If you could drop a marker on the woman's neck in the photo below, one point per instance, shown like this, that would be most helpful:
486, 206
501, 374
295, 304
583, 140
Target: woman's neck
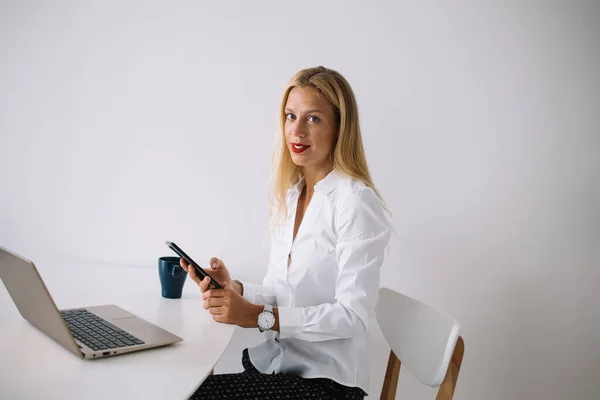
312, 175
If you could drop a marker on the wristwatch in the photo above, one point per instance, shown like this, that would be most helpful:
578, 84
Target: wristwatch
266, 319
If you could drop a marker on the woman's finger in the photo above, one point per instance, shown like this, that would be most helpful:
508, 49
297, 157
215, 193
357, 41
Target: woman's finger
216, 302
216, 310
192, 273
183, 264
204, 284
215, 263
212, 302
214, 293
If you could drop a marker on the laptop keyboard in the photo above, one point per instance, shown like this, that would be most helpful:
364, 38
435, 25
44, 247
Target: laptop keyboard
95, 332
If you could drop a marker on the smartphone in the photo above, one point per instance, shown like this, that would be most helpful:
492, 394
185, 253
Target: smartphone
213, 283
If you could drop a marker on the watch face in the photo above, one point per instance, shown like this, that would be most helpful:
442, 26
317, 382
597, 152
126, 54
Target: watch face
266, 320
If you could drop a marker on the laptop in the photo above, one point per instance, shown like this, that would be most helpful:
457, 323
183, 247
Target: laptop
88, 332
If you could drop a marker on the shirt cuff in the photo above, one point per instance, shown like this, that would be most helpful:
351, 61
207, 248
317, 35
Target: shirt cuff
290, 321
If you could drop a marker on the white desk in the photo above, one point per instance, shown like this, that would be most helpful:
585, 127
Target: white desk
33, 366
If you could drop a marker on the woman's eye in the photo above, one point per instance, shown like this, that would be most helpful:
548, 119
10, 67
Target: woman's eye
312, 118
290, 116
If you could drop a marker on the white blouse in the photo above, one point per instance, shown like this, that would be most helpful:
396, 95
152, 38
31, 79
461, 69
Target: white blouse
326, 295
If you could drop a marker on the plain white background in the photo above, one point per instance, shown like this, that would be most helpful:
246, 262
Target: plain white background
124, 124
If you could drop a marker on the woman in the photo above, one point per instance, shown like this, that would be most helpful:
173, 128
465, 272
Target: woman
329, 232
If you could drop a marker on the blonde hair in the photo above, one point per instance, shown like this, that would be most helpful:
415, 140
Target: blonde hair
348, 154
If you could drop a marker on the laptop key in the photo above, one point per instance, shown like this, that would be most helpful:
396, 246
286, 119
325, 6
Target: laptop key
94, 331
111, 326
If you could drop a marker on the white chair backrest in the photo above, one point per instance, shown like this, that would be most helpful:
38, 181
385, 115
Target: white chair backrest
422, 337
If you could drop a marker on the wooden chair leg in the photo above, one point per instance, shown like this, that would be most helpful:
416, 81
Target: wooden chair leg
446, 391
390, 382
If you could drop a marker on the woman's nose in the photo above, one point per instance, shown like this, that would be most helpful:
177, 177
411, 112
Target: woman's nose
298, 129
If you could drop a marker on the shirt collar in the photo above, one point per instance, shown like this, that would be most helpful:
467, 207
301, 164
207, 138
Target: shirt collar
325, 185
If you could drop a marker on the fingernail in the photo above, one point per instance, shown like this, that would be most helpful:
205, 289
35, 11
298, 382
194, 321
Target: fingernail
214, 265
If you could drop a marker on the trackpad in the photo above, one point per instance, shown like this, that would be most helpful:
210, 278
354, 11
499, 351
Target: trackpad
131, 324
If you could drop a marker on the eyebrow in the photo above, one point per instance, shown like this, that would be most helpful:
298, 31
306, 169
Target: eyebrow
315, 110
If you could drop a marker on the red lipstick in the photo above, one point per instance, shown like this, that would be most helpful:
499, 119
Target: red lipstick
298, 147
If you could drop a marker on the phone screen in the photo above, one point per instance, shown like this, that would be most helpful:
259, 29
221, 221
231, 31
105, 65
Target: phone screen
213, 283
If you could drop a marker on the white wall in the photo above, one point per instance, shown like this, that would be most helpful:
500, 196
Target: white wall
125, 124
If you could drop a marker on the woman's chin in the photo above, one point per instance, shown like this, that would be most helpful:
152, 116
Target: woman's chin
300, 161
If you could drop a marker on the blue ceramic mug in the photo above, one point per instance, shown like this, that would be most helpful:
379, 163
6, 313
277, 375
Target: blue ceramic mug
172, 277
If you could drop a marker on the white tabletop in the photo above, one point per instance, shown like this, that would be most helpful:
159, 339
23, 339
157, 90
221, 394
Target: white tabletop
33, 366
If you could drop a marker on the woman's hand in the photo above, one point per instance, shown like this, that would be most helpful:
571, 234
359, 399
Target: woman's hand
217, 270
228, 306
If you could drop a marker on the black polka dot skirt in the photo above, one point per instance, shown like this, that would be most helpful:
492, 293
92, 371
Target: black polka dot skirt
252, 384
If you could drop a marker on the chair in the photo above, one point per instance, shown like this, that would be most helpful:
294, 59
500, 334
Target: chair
421, 338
